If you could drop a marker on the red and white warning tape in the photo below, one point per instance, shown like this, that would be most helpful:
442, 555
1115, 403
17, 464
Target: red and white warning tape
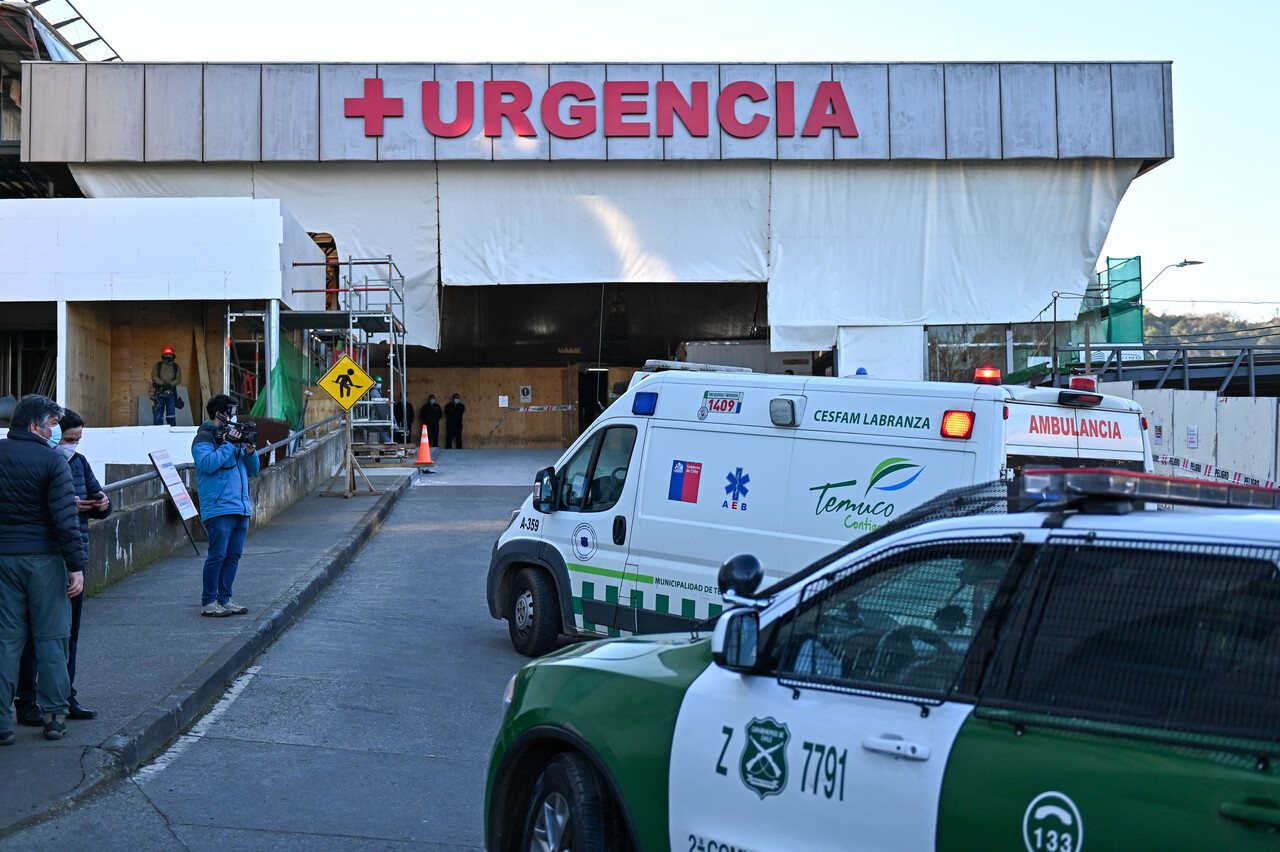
1209, 471
569, 407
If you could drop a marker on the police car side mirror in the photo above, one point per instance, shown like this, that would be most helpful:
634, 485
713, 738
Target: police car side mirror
544, 491
733, 646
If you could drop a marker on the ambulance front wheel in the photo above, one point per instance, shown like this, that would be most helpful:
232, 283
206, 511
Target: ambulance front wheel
533, 618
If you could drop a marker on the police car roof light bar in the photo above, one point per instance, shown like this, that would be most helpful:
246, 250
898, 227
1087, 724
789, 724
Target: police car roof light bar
1061, 485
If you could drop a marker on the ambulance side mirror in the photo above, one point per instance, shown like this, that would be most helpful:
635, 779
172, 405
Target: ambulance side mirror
733, 646
544, 491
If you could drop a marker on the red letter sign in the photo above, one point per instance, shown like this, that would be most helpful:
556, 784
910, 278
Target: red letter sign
496, 109
830, 94
786, 108
373, 107
693, 114
729, 119
431, 109
583, 117
615, 108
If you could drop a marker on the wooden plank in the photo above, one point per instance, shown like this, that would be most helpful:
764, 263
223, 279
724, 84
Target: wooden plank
202, 370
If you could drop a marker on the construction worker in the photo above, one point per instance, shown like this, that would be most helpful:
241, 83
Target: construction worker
166, 375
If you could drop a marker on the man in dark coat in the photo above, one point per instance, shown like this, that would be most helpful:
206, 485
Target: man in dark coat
41, 560
453, 412
92, 502
431, 414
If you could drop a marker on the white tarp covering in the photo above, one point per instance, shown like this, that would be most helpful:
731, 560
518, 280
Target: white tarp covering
548, 223
371, 209
915, 243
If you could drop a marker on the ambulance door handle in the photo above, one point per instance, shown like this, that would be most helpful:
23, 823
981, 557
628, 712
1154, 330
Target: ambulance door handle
619, 529
896, 746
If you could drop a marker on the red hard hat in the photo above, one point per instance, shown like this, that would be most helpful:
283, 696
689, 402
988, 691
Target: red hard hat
168, 350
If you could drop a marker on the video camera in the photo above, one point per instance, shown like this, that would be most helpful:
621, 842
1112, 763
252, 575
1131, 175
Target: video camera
245, 430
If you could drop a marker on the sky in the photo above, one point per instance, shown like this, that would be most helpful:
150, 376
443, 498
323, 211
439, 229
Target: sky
1213, 202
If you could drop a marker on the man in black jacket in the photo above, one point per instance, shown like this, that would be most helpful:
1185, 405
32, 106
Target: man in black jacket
41, 560
92, 502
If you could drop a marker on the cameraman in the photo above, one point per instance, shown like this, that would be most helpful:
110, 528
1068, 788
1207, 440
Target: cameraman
225, 458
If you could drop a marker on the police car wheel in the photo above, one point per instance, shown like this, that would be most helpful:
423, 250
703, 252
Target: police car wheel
568, 811
531, 613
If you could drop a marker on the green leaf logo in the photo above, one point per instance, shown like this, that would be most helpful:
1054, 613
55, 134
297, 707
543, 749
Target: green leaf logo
888, 467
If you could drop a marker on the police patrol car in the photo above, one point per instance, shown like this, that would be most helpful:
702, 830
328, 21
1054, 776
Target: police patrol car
1076, 675
628, 530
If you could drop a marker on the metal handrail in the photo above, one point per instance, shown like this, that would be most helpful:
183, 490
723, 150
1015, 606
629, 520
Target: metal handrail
155, 474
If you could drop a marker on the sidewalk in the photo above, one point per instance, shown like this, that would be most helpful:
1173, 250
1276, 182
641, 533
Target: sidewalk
150, 664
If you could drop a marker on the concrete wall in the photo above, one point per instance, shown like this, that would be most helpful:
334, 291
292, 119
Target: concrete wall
1234, 434
137, 535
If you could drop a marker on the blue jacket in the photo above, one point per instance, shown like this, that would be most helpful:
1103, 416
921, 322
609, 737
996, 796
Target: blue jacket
86, 485
222, 474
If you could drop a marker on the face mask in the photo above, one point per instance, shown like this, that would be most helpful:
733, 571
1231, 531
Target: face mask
56, 437
431, 399
66, 450
457, 399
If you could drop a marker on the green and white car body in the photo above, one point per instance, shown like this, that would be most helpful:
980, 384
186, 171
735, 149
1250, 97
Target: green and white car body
1118, 689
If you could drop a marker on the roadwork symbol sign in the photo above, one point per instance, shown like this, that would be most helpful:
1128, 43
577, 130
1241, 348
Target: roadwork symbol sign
346, 382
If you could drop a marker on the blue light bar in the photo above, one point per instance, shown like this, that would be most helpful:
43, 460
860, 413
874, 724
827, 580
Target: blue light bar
645, 403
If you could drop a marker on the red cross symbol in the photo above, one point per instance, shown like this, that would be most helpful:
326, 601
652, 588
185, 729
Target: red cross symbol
373, 107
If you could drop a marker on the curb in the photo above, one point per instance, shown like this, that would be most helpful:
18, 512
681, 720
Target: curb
153, 729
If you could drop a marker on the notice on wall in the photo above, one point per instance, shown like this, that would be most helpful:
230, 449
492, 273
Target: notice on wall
526, 394
504, 401
1193, 436
174, 485
1158, 431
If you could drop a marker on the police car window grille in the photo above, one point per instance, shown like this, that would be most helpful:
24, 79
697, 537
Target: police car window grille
898, 625
1174, 638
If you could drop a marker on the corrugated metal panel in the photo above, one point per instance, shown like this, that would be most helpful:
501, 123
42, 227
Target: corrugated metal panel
972, 111
113, 112
1168, 109
1084, 111
764, 146
411, 141
290, 112
917, 123
592, 146
343, 138
648, 147
28, 106
514, 147
801, 147
232, 113
1028, 111
1137, 93
867, 88
682, 145
472, 145
173, 130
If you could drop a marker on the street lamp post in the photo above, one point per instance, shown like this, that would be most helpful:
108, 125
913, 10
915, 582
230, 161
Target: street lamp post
1166, 269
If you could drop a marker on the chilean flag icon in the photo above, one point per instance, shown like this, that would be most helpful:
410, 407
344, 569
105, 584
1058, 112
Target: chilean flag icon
685, 476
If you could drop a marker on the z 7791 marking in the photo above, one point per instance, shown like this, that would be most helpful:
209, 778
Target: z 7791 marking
827, 767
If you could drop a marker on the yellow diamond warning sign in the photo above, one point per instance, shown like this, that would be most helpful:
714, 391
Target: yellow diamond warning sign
346, 382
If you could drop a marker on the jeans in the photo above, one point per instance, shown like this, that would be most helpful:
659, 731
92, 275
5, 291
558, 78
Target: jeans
163, 410
34, 587
226, 543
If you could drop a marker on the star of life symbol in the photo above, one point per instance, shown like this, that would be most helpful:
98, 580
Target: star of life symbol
737, 487
764, 758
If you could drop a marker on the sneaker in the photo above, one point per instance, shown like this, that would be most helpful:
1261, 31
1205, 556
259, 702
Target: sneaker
214, 609
234, 608
54, 727
6, 738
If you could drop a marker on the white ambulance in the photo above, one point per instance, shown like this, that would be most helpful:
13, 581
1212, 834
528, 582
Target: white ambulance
626, 533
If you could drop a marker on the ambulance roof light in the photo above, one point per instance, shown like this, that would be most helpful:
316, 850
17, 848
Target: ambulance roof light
986, 376
1084, 383
1062, 485
644, 403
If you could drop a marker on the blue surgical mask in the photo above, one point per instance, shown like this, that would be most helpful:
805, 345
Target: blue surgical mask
56, 437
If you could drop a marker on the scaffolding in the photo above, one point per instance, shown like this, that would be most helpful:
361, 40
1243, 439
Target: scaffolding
368, 316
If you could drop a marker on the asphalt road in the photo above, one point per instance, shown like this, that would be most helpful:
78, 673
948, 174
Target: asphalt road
367, 725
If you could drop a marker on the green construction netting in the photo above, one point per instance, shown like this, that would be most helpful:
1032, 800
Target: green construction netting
287, 380
1112, 307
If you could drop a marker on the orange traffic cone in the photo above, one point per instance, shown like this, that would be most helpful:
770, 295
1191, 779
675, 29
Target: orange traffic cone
424, 449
